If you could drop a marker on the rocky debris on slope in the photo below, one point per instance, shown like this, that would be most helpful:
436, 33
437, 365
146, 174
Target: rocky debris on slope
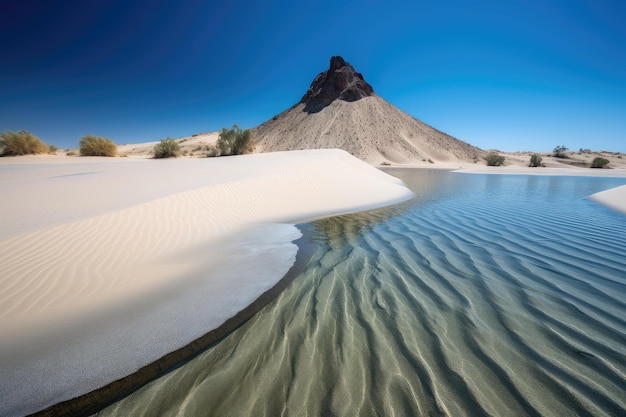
340, 81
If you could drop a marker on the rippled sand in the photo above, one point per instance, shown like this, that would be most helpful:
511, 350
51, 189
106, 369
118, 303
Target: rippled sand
487, 295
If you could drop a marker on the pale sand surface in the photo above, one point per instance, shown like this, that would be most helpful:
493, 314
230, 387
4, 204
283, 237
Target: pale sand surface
108, 264
614, 198
190, 146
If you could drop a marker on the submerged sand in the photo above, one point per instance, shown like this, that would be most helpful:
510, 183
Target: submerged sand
110, 264
484, 296
614, 199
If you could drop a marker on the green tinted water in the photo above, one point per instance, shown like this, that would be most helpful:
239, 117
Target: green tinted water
486, 295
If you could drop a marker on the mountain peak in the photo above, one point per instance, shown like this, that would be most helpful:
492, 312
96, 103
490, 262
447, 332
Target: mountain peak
340, 81
340, 110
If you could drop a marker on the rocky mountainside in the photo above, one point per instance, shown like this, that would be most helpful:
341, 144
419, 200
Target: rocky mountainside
341, 110
339, 82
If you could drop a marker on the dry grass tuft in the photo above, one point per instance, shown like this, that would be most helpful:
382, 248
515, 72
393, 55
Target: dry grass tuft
21, 143
96, 146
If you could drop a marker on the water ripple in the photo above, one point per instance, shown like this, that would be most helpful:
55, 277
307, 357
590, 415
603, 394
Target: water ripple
473, 300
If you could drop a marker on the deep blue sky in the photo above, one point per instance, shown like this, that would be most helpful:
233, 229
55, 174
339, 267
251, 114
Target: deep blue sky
511, 75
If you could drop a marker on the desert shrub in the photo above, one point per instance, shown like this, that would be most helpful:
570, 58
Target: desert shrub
212, 151
559, 152
535, 160
21, 143
167, 148
52, 149
96, 146
234, 141
599, 163
494, 160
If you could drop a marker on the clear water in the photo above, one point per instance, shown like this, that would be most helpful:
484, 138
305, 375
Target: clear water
487, 295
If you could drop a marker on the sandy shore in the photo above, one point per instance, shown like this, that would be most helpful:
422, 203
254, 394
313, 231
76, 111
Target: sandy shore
555, 171
109, 264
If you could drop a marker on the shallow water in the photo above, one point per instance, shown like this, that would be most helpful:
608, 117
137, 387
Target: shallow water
486, 295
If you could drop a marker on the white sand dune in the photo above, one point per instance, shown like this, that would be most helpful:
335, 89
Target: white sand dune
615, 198
107, 265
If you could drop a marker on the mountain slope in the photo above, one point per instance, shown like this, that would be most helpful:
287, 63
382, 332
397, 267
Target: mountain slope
341, 110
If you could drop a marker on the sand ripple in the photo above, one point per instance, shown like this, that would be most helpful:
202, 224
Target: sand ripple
459, 306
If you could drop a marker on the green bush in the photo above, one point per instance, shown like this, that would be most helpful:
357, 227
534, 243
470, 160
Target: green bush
494, 160
234, 141
559, 152
599, 163
21, 143
535, 160
96, 146
52, 149
167, 148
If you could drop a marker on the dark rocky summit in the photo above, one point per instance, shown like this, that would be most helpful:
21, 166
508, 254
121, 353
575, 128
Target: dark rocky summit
340, 81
